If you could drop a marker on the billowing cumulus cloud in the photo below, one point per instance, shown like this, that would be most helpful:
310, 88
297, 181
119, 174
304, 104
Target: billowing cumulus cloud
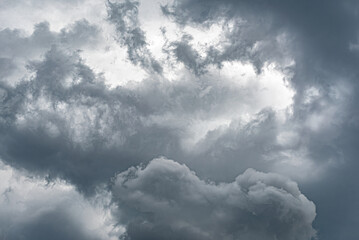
166, 200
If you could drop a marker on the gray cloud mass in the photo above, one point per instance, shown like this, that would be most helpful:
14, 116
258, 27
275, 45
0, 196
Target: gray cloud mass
227, 87
166, 200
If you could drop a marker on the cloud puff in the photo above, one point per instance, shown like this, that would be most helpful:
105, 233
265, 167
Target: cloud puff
166, 200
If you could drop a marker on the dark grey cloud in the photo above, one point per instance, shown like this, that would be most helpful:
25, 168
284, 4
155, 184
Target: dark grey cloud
66, 112
124, 15
320, 38
48, 137
316, 34
186, 54
166, 200
246, 35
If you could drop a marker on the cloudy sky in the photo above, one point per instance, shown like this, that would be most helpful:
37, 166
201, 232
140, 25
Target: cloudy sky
179, 119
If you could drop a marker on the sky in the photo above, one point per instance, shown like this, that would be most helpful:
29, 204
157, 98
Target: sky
179, 119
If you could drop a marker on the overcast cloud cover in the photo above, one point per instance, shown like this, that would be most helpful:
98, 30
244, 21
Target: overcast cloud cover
179, 119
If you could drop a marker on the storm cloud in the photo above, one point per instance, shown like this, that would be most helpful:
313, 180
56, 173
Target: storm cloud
242, 95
